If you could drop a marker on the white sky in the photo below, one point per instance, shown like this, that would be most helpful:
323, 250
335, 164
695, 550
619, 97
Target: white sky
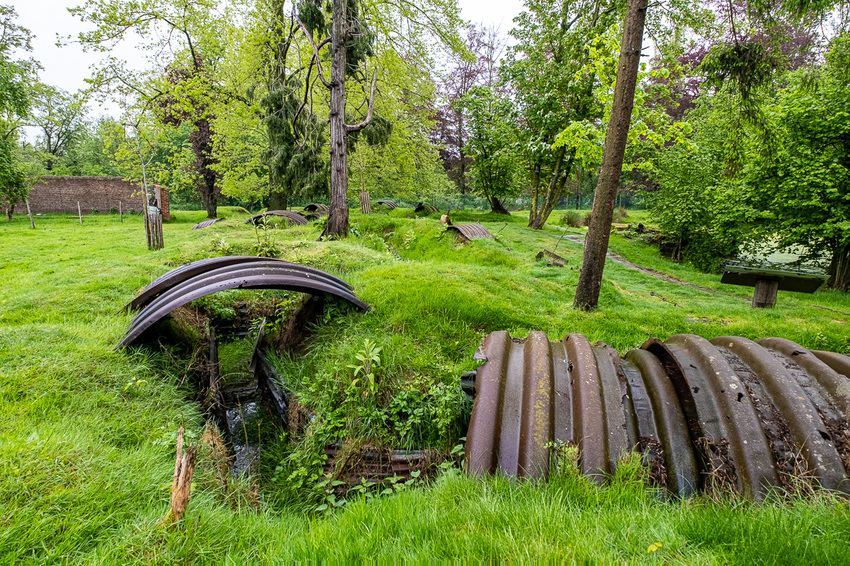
68, 67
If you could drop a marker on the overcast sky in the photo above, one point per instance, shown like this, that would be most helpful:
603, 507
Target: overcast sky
67, 67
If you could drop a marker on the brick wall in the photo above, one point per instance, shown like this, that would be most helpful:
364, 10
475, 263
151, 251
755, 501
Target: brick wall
61, 194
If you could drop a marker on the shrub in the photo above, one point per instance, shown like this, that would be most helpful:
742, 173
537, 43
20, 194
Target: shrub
620, 214
572, 219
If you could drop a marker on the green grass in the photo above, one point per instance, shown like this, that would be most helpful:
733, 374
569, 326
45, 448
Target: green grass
87, 434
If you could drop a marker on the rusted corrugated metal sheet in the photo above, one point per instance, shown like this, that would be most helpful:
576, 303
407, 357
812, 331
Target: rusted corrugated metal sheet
253, 274
317, 207
374, 466
293, 217
184, 272
471, 231
205, 224
722, 413
422, 207
388, 203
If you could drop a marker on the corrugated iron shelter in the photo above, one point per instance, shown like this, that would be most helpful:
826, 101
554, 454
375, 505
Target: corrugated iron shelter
199, 279
729, 412
470, 231
293, 217
388, 203
422, 207
317, 207
205, 224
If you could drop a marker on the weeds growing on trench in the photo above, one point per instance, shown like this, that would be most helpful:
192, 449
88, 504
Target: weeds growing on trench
85, 465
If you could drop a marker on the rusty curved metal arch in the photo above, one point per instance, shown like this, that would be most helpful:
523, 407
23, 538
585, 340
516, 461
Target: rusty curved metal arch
388, 203
205, 223
706, 414
263, 275
178, 275
471, 231
318, 208
293, 217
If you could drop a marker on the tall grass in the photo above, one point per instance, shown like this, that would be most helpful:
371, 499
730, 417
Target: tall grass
87, 434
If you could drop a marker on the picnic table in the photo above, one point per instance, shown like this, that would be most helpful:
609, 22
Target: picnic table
768, 281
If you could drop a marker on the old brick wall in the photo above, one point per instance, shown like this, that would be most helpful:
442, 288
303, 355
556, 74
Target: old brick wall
61, 194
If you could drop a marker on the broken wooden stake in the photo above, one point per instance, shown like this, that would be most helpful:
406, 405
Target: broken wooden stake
184, 467
80, 213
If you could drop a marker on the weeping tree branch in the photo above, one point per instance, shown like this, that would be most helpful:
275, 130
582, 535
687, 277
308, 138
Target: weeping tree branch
364, 123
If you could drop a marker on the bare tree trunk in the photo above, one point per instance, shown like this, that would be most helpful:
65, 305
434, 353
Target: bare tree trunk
554, 190
596, 243
337, 225
839, 269
277, 200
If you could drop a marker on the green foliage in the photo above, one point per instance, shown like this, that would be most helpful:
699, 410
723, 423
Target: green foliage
694, 198
800, 194
490, 144
67, 417
572, 218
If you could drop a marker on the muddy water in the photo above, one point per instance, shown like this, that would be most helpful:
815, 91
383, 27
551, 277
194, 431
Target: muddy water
243, 415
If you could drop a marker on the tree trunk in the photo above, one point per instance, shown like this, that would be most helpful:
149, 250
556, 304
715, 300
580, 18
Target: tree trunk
498, 207
211, 203
596, 243
337, 225
462, 163
554, 190
839, 269
277, 200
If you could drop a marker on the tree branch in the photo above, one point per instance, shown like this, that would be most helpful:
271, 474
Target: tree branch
364, 123
315, 49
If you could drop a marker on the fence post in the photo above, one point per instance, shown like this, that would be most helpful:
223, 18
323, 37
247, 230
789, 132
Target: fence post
29, 213
80, 213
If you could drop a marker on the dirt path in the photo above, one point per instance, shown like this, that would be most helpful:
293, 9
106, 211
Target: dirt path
613, 256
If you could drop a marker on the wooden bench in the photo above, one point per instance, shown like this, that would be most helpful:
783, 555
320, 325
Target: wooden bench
768, 281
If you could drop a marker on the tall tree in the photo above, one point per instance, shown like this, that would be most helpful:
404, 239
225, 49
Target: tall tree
406, 26
596, 242
59, 116
16, 75
553, 83
799, 193
491, 145
185, 39
478, 66
351, 43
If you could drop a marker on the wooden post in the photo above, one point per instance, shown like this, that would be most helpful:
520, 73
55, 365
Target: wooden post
120, 212
764, 295
29, 213
80, 213
181, 486
365, 203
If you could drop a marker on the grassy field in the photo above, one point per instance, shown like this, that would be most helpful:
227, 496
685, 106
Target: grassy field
87, 434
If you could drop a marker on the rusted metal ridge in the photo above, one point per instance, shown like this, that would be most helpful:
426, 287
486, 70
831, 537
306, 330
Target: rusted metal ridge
471, 231
180, 274
728, 413
391, 204
317, 207
205, 224
269, 274
293, 217
422, 207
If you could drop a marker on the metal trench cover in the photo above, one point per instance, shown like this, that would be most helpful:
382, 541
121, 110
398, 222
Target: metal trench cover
728, 413
293, 217
205, 224
198, 279
471, 231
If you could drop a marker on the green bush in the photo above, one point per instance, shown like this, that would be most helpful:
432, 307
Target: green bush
572, 219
